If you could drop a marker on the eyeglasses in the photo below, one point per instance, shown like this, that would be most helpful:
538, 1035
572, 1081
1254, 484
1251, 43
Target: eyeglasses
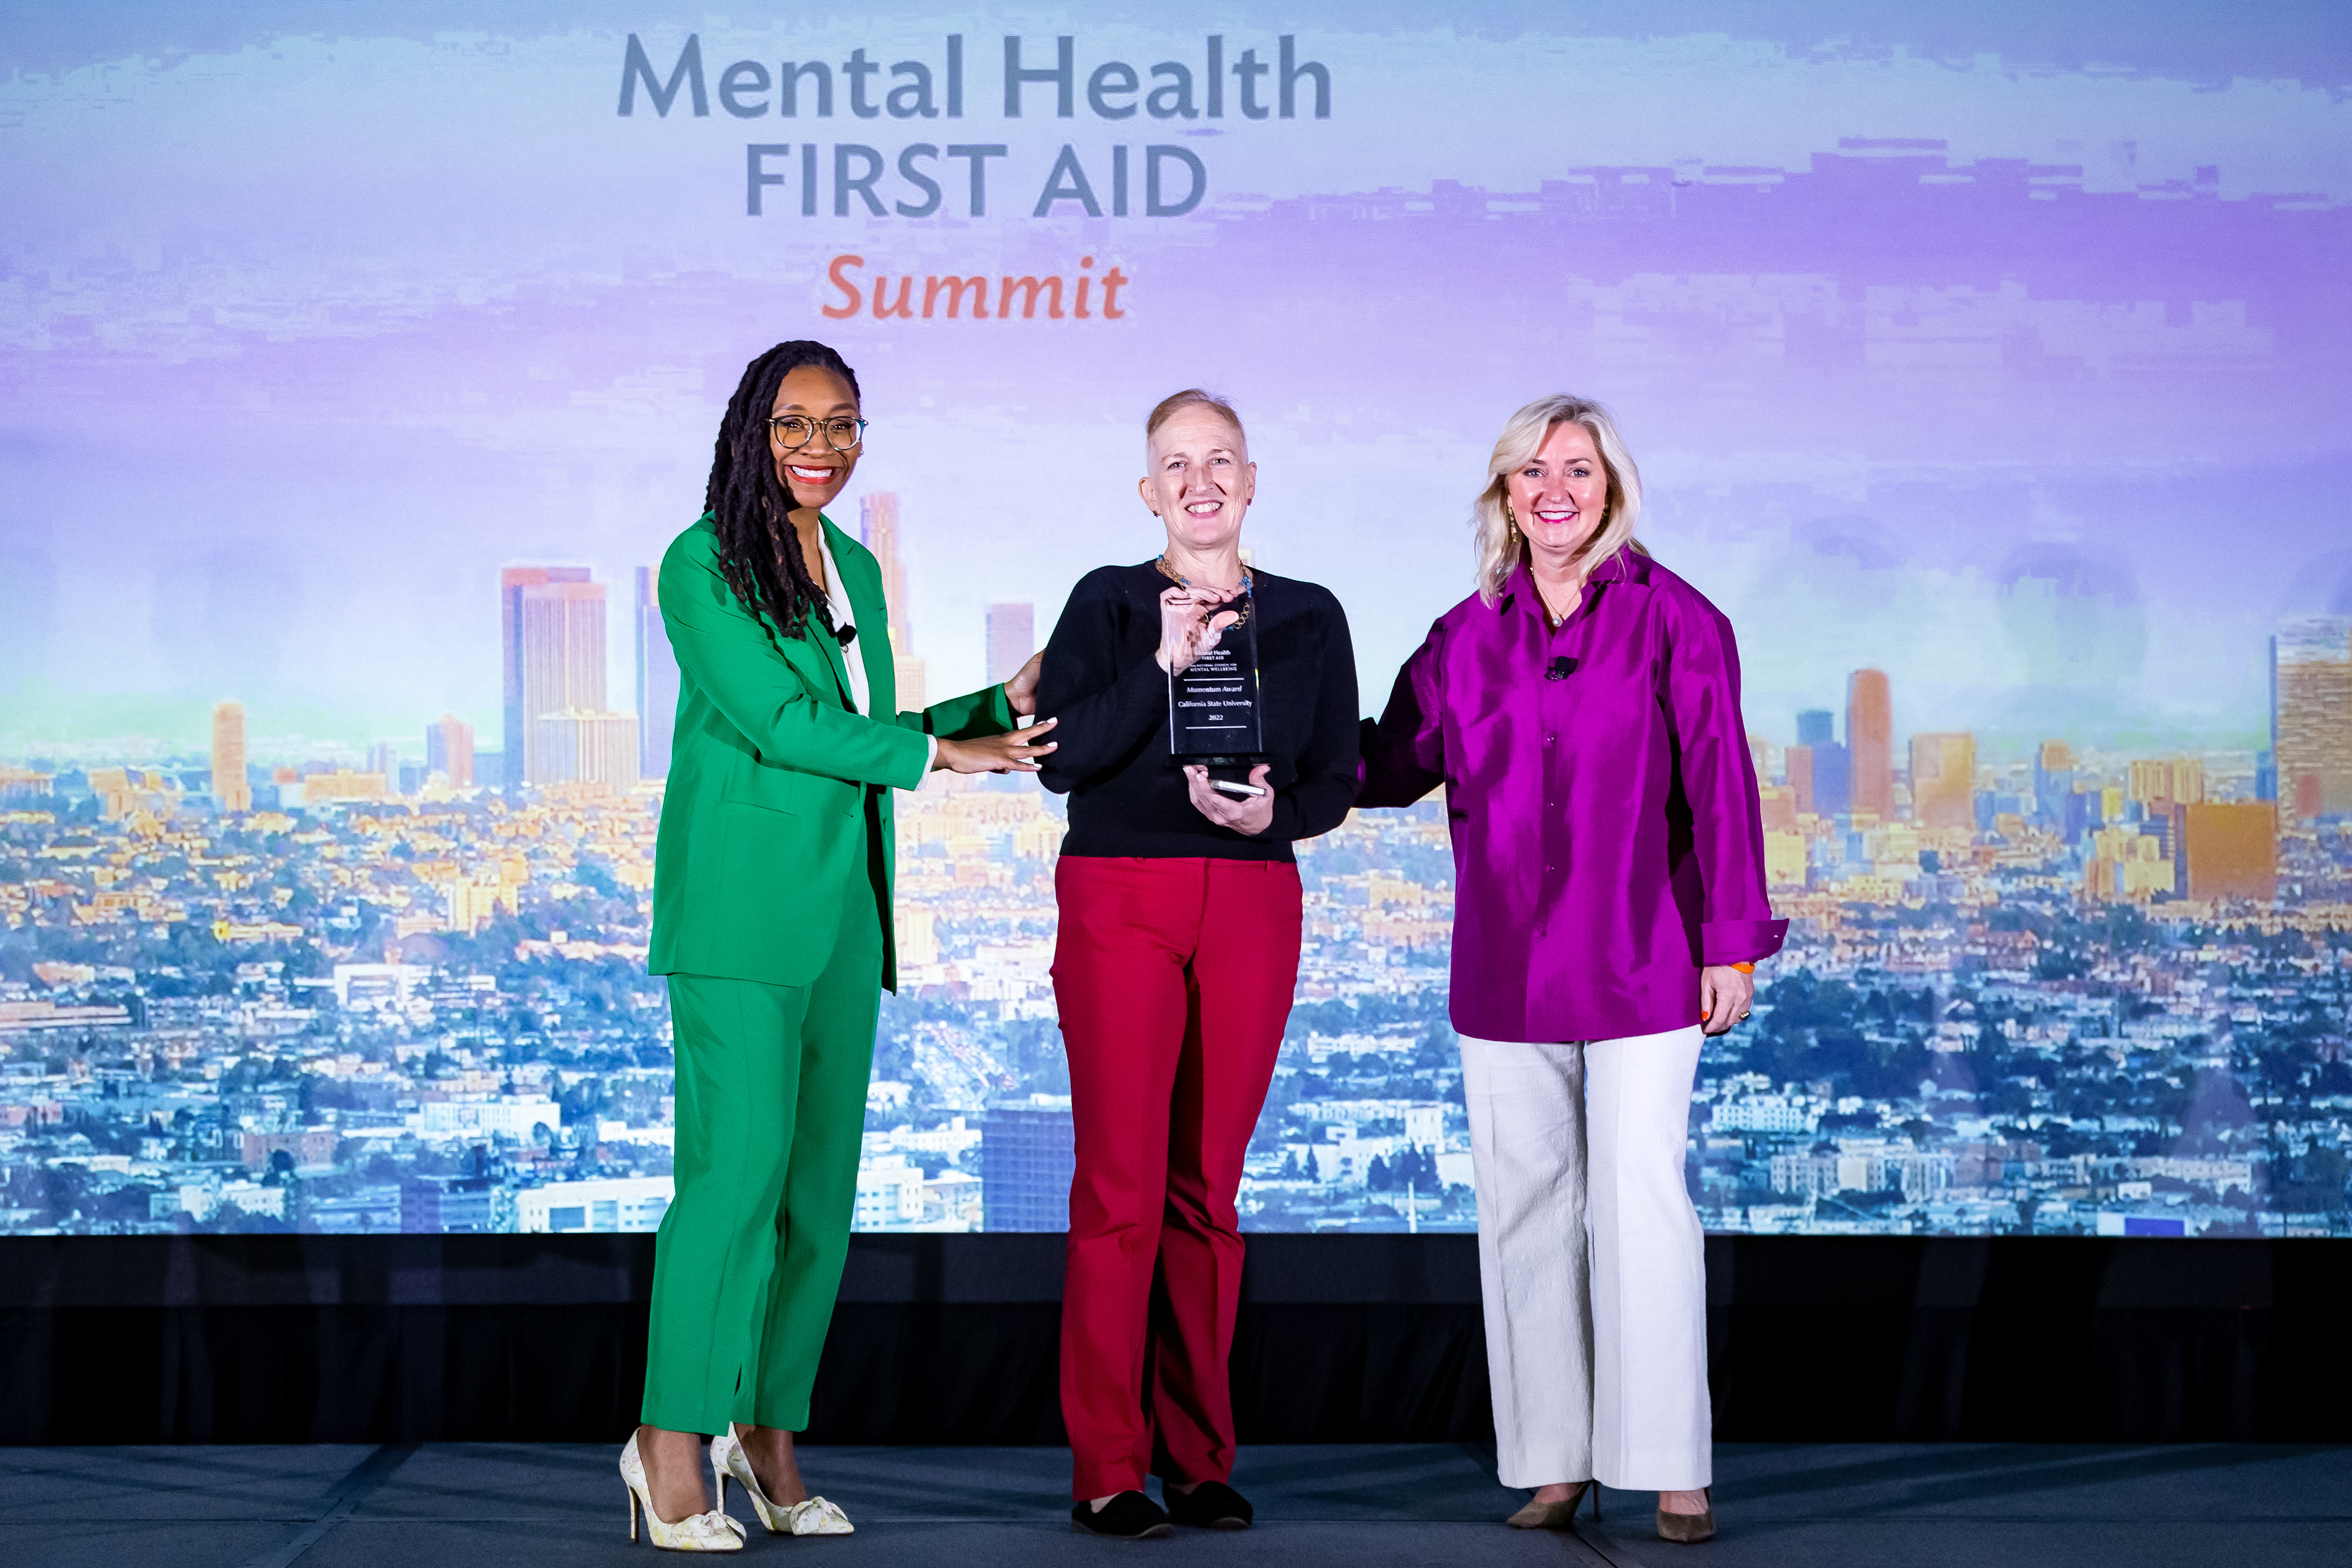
794, 431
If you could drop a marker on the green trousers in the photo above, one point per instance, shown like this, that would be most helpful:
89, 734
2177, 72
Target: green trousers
770, 1108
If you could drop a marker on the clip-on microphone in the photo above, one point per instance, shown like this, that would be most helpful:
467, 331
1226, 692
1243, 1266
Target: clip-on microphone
1560, 669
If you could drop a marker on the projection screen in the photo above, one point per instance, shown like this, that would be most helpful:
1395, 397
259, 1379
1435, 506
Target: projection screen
1986, 368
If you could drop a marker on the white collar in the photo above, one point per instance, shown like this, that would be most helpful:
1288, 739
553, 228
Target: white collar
836, 594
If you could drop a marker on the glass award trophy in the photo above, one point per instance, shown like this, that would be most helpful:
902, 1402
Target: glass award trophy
1214, 716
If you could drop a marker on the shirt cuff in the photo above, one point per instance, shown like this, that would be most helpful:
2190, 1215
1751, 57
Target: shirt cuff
930, 757
1739, 940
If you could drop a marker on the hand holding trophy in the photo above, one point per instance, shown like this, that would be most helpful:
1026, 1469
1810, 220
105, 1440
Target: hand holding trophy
1192, 624
1214, 723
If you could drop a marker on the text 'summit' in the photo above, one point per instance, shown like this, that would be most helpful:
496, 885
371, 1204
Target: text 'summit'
1084, 295
920, 179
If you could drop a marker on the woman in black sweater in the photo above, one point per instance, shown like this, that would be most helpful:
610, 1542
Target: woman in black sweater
1176, 961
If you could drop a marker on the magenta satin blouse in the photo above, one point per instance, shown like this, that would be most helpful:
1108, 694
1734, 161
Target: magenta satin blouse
1607, 838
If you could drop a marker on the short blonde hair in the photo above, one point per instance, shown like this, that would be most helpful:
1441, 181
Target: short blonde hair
1498, 543
1192, 397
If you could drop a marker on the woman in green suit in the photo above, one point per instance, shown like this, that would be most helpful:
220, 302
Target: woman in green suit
771, 918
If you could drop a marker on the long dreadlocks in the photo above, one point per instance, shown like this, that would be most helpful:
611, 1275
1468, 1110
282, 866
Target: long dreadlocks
759, 548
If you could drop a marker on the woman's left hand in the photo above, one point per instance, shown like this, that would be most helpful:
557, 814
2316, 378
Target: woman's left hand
1724, 995
1249, 815
1021, 691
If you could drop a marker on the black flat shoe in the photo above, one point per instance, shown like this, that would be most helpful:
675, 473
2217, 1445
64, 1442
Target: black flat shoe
1211, 1505
1129, 1516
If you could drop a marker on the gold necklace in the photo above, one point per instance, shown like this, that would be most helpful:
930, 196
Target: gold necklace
1552, 621
1249, 586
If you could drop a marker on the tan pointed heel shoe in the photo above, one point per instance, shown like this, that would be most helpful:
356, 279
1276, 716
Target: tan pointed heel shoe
1688, 1529
1557, 1515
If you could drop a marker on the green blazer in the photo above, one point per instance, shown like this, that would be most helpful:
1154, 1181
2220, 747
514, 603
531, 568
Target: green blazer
762, 823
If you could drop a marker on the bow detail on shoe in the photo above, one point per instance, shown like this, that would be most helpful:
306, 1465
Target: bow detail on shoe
813, 1517
710, 1530
816, 1517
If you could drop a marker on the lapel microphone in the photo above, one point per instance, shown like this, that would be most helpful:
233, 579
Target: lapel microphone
1560, 668
845, 635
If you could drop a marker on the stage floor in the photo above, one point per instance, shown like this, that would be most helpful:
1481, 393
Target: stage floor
455, 1504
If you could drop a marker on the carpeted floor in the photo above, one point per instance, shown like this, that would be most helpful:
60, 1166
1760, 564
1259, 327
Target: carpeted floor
455, 1505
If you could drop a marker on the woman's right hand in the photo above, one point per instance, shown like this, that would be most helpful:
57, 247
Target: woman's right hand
1191, 625
1015, 751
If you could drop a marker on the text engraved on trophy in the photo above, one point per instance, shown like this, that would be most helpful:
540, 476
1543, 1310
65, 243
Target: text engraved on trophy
1213, 704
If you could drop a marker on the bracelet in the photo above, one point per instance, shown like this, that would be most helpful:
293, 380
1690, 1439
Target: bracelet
1745, 968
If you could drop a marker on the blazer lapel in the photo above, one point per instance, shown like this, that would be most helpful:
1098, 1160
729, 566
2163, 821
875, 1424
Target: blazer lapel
827, 648
861, 578
806, 654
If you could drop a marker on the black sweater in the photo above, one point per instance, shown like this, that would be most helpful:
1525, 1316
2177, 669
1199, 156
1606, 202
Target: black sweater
1128, 795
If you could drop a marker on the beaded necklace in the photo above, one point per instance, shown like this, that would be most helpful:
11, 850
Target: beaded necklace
1249, 587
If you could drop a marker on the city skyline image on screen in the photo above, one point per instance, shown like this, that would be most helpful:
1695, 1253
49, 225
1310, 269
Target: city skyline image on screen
1988, 375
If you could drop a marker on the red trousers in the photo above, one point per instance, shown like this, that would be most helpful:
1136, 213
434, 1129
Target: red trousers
1174, 980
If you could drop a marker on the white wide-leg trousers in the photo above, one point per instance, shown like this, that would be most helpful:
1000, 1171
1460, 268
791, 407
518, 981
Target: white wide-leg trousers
1590, 1259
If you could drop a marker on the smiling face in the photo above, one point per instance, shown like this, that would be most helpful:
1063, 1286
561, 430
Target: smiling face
1199, 482
813, 473
1561, 494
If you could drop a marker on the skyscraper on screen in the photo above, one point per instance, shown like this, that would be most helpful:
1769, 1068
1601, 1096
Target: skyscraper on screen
1011, 638
878, 529
2053, 781
1027, 1152
560, 727
2161, 783
1829, 764
562, 663
2226, 850
2312, 717
1943, 780
656, 679
1797, 761
513, 582
585, 745
449, 750
1870, 743
230, 789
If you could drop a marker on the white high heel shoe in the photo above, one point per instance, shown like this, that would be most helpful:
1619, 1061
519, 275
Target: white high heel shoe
815, 1517
710, 1530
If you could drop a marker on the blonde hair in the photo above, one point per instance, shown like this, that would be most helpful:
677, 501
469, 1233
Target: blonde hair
1192, 397
1498, 543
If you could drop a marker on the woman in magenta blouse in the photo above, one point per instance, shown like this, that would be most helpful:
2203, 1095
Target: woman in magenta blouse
1583, 710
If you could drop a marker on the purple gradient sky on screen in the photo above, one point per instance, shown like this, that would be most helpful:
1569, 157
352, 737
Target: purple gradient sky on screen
2011, 362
